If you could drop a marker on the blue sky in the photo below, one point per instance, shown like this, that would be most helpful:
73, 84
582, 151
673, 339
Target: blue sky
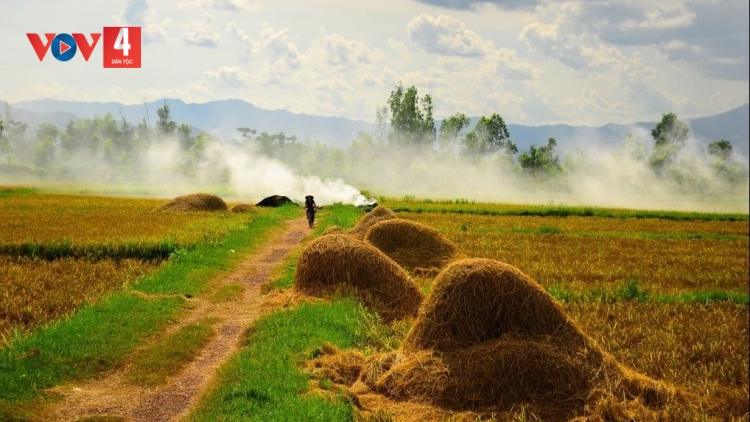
587, 62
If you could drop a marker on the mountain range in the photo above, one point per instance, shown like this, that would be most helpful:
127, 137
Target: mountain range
222, 118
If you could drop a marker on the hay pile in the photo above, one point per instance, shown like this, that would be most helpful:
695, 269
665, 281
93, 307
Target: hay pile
490, 339
274, 201
380, 213
244, 208
195, 202
332, 230
339, 262
413, 245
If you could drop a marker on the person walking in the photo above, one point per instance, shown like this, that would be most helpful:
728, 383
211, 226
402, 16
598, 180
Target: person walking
311, 207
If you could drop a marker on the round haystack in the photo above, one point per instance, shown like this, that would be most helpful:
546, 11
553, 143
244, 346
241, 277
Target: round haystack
477, 300
332, 230
274, 201
195, 202
380, 213
413, 245
339, 262
244, 208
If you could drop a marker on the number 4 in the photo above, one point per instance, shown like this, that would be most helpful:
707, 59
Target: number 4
121, 43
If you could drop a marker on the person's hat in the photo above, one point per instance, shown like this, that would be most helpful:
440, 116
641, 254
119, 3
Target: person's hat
309, 197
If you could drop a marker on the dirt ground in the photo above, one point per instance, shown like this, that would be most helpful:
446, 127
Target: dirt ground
114, 397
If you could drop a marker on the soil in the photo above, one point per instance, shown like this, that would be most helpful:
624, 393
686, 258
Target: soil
115, 397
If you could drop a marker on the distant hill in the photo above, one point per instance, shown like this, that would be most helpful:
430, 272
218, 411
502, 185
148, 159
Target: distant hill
223, 117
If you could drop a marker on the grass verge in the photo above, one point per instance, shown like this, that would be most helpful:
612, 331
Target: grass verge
152, 366
265, 382
100, 336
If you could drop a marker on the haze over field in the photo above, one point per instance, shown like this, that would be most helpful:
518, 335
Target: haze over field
535, 63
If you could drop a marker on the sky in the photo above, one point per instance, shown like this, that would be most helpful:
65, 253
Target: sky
588, 62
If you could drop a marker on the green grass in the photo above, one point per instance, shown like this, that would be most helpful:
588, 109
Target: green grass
152, 366
633, 290
197, 266
264, 382
99, 337
6, 192
558, 211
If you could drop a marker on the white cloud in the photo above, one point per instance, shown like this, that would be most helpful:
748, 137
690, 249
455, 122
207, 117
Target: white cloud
140, 13
445, 35
231, 76
277, 42
202, 33
229, 5
399, 48
252, 47
342, 51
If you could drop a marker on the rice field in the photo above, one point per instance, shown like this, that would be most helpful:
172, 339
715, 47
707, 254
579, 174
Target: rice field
61, 251
667, 297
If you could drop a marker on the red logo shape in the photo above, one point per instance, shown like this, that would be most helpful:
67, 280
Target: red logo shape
83, 45
39, 47
122, 47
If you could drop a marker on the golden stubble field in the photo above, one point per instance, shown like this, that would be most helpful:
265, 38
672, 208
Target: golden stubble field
59, 251
671, 327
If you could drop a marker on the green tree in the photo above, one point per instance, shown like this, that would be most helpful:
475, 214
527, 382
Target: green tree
46, 136
669, 135
451, 128
5, 148
183, 136
410, 125
720, 149
165, 125
541, 160
490, 135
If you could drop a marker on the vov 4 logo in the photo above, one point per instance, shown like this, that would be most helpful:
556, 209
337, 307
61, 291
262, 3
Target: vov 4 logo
122, 46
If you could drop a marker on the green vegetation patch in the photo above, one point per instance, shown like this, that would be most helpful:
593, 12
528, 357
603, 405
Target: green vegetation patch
16, 191
152, 366
265, 382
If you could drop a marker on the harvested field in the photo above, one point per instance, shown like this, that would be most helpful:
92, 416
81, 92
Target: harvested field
490, 339
338, 262
34, 292
195, 202
412, 245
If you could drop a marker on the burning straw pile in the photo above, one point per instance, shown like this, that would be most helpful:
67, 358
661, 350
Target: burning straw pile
339, 262
490, 339
195, 202
413, 245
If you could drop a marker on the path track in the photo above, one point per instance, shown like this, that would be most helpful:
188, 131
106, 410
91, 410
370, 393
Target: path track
114, 396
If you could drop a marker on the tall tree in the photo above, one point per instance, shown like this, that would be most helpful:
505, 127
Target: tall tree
410, 125
490, 135
165, 125
669, 135
451, 128
541, 160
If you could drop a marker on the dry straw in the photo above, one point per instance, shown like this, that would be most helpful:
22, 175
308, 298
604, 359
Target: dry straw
413, 245
332, 230
378, 214
244, 208
490, 339
195, 202
335, 263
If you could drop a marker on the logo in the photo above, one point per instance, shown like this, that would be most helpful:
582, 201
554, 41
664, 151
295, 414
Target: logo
122, 46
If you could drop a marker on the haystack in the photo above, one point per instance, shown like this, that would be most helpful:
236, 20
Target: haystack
195, 202
477, 300
490, 339
413, 245
244, 208
274, 201
332, 230
380, 213
339, 262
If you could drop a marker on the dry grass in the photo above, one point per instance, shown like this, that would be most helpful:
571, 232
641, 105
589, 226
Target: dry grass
48, 218
412, 245
586, 262
340, 262
34, 292
240, 208
195, 202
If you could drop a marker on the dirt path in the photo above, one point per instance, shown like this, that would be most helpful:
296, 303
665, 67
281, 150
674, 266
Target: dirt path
113, 396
